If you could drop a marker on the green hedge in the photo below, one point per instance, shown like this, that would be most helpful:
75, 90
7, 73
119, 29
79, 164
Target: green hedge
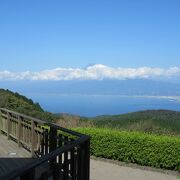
144, 149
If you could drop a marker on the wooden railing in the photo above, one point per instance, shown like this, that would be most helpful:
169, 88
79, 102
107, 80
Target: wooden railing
59, 153
26, 131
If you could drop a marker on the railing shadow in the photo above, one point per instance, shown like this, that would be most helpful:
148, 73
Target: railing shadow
8, 166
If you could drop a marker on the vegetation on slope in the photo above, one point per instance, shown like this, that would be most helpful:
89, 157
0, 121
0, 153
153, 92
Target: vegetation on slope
19, 103
151, 121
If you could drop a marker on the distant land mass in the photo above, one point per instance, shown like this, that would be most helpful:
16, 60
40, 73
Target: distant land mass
158, 121
19, 103
131, 87
151, 121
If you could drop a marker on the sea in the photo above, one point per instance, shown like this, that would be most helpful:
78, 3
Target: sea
95, 105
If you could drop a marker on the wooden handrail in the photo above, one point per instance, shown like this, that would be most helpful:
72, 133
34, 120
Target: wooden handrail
66, 152
22, 129
43, 122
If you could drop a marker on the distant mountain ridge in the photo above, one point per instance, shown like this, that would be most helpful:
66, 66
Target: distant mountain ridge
112, 87
157, 121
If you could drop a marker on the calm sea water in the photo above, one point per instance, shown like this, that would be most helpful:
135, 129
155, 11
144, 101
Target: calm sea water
93, 105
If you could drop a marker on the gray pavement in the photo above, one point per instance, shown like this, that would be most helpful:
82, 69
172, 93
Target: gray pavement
101, 170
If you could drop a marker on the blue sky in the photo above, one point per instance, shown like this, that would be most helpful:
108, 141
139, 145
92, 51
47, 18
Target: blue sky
37, 35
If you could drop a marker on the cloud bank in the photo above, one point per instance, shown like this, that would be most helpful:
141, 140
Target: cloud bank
93, 72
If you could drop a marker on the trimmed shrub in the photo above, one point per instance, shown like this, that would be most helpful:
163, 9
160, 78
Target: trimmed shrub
134, 147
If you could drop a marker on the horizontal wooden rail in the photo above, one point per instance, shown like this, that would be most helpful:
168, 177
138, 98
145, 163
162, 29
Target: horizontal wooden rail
65, 153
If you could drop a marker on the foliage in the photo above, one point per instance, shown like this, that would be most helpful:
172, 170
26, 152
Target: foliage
151, 121
19, 103
141, 148
71, 121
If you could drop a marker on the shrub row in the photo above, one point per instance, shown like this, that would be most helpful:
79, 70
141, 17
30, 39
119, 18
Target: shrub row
144, 149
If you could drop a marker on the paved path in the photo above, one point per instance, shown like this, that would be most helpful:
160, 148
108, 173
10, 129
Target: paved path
108, 171
9, 148
12, 157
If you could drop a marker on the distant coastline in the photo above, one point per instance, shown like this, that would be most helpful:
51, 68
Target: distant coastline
91, 105
173, 98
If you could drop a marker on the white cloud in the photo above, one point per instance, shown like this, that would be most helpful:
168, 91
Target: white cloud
93, 72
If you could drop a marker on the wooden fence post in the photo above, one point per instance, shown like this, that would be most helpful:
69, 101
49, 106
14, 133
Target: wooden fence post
52, 139
32, 138
52, 144
8, 125
1, 122
19, 131
87, 160
84, 161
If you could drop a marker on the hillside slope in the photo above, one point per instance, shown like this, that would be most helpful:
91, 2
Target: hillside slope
156, 121
19, 103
